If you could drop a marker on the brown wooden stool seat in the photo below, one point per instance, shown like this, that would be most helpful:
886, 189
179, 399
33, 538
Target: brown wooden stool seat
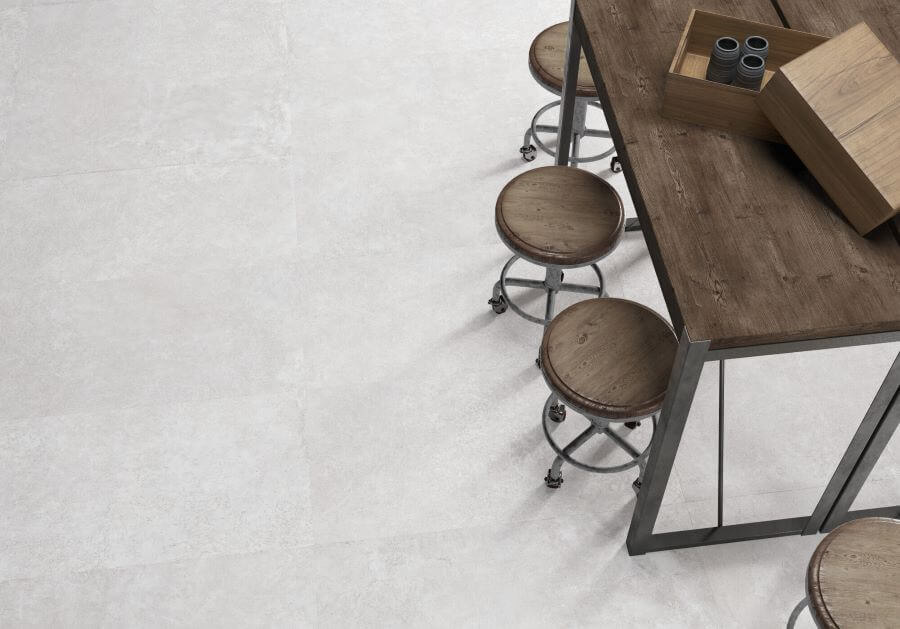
560, 215
547, 57
609, 357
854, 576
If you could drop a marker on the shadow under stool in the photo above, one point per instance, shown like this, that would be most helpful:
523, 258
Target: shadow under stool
558, 218
546, 59
609, 360
853, 578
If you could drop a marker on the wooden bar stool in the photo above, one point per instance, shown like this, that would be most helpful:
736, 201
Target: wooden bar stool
559, 218
546, 59
853, 579
609, 359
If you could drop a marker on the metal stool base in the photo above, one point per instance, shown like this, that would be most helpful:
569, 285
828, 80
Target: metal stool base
551, 284
553, 409
580, 131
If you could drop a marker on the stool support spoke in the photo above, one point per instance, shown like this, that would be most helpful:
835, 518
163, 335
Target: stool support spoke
621, 442
580, 440
581, 288
523, 283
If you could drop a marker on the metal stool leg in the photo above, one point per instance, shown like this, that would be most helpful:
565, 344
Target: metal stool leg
553, 282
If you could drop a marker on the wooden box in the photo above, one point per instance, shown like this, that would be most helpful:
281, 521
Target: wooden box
839, 109
690, 97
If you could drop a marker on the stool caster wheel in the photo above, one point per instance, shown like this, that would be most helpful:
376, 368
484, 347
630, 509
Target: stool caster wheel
498, 304
615, 165
632, 425
528, 152
636, 486
557, 413
537, 362
553, 483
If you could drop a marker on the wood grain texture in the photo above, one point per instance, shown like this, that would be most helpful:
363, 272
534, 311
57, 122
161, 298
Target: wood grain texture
853, 578
839, 109
560, 215
748, 248
546, 58
611, 357
831, 18
690, 97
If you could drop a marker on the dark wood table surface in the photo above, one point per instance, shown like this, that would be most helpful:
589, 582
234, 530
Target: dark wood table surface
752, 256
748, 248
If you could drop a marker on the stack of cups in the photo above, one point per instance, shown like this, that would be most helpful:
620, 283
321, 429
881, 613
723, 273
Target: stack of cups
742, 66
724, 60
752, 67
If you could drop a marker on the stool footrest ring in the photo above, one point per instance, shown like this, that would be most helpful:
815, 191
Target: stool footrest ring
500, 289
592, 133
566, 453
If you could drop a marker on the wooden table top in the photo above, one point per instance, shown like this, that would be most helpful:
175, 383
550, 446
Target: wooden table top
748, 248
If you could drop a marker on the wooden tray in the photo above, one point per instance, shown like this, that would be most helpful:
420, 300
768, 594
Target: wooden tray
690, 97
839, 109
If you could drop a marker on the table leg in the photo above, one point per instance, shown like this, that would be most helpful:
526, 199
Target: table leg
850, 474
570, 82
682, 385
885, 426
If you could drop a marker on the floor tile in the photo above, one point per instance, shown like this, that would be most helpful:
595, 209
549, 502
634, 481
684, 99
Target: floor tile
410, 29
757, 584
424, 138
374, 318
13, 31
425, 450
566, 572
119, 85
148, 340
272, 589
152, 484
111, 225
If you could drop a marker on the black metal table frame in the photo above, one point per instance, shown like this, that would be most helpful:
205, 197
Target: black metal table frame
869, 441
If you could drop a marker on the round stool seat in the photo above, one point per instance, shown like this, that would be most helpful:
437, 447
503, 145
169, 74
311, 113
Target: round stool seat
560, 216
609, 357
854, 576
548, 56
